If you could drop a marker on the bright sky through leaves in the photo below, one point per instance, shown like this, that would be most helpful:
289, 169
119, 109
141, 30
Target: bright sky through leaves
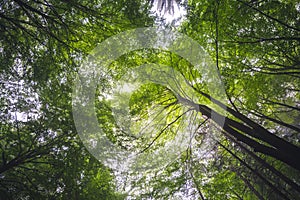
173, 18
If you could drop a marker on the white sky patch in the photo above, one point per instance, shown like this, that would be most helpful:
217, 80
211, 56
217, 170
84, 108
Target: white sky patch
298, 7
175, 19
127, 88
21, 101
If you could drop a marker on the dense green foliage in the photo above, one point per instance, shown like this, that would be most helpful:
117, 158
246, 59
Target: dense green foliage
41, 45
253, 155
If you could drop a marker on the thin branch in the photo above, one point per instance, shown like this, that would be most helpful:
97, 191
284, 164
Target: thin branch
263, 40
268, 16
275, 189
165, 128
249, 185
263, 162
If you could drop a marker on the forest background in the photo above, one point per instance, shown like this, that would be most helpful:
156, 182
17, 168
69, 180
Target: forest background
253, 44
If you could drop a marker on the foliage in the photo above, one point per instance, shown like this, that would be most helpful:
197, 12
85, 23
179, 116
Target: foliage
253, 155
42, 43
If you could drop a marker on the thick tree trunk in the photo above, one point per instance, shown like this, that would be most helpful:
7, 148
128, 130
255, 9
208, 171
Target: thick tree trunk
264, 142
265, 164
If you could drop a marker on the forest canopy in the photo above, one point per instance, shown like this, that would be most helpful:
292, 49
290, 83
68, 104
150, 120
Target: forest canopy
237, 113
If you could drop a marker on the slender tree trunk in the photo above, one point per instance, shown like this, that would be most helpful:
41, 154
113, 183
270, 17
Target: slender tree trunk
255, 172
249, 185
265, 164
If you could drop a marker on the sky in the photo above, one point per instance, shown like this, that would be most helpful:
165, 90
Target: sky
179, 13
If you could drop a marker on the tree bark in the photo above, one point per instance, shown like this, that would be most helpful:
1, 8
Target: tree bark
276, 147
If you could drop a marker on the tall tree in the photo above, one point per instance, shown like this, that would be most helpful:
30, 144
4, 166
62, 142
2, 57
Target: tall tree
42, 43
255, 46
254, 154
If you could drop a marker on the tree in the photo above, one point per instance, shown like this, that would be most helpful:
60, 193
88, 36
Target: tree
42, 43
252, 155
258, 60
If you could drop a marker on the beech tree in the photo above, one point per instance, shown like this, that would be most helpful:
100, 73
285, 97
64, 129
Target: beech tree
254, 46
252, 153
42, 43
